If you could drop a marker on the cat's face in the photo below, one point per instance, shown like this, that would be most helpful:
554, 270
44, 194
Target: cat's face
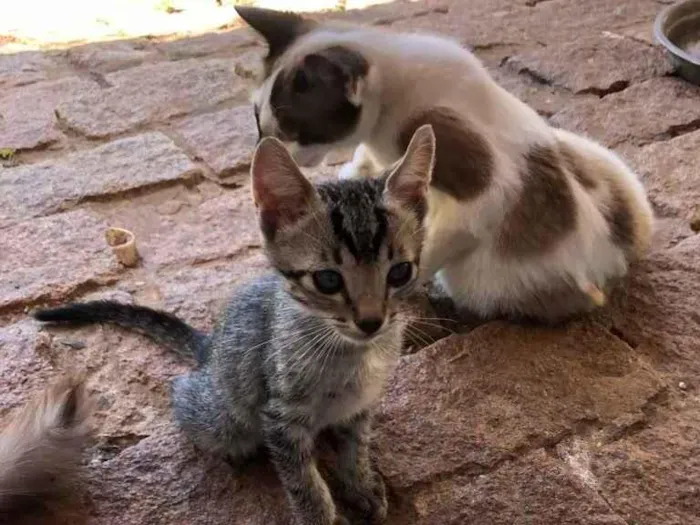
349, 250
314, 95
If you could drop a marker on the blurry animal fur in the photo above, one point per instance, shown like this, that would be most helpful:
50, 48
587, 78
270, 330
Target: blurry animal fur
310, 347
526, 220
40, 453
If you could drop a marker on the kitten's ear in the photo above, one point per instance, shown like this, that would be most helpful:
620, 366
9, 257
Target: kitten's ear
279, 28
281, 192
335, 68
408, 183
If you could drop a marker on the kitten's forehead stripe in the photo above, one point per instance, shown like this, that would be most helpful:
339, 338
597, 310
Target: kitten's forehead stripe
358, 219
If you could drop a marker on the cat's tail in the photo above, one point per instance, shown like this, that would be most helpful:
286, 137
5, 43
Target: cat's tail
40, 450
162, 327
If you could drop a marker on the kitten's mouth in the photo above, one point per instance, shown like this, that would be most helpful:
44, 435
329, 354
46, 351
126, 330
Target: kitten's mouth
358, 338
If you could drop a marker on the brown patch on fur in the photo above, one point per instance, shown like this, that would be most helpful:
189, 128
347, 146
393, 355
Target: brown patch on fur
310, 100
620, 220
40, 452
463, 159
573, 164
546, 210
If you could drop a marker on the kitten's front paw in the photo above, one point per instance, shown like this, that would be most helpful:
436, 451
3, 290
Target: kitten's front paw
340, 520
368, 505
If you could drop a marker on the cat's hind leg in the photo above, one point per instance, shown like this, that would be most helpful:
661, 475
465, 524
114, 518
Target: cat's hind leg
211, 425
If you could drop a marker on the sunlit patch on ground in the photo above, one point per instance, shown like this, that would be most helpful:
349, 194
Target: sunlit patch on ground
34, 24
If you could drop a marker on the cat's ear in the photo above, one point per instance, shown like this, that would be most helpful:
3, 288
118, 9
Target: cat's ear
336, 68
279, 28
281, 193
409, 181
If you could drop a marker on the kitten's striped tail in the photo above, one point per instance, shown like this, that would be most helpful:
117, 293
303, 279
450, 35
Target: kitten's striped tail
40, 451
160, 326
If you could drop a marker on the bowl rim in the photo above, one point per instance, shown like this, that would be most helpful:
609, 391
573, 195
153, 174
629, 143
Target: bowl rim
665, 41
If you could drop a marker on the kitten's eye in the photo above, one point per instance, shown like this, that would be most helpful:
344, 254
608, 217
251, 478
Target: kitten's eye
300, 83
399, 274
328, 281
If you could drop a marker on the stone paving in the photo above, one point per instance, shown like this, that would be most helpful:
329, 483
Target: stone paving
594, 423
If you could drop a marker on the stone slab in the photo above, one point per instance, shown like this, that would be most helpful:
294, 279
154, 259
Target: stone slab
644, 112
653, 477
224, 43
151, 93
49, 258
603, 63
28, 67
23, 367
174, 484
669, 170
658, 314
106, 57
225, 140
27, 118
221, 227
126, 164
535, 490
200, 294
486, 23
127, 375
546, 100
472, 400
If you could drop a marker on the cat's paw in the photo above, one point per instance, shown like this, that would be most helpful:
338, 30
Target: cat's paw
340, 520
349, 171
368, 505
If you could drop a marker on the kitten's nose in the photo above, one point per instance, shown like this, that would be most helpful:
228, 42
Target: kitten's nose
369, 326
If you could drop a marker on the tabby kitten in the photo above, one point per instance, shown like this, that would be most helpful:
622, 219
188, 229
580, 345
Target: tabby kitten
525, 219
310, 347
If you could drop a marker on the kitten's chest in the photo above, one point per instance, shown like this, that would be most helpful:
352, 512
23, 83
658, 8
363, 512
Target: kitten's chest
356, 391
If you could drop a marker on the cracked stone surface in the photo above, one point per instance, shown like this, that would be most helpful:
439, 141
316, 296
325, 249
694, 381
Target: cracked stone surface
150, 93
27, 119
223, 139
113, 168
595, 422
646, 112
604, 64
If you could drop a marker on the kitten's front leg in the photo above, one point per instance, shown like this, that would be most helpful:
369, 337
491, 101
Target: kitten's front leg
357, 483
291, 447
362, 165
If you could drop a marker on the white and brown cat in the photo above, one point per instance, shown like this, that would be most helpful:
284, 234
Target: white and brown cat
525, 219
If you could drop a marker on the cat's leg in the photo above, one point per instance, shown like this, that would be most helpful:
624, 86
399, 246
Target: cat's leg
290, 444
355, 481
362, 164
210, 425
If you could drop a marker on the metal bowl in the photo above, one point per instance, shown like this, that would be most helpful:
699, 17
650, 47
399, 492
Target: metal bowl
677, 28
